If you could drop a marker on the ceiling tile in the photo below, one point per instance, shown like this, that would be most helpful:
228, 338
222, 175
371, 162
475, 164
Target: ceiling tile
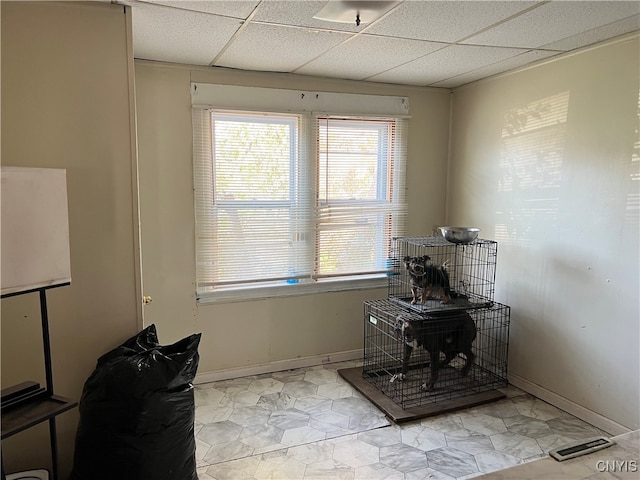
445, 21
277, 48
367, 55
554, 21
595, 35
411, 44
446, 63
499, 67
179, 36
228, 8
299, 12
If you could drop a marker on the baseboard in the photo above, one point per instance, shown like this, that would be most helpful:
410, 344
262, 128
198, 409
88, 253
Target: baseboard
589, 416
278, 366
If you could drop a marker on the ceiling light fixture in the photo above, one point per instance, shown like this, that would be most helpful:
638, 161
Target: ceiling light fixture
358, 11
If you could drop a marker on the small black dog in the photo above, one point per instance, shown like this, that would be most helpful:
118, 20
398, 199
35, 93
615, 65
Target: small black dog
433, 280
450, 334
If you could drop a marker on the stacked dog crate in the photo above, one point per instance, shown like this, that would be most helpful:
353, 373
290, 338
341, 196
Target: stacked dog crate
400, 330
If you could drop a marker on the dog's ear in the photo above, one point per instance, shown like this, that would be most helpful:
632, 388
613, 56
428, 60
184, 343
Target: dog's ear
406, 259
426, 258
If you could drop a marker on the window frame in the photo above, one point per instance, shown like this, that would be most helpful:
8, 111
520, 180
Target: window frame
240, 292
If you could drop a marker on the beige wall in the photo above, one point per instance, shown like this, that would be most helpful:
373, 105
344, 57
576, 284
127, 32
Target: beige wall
562, 201
66, 103
268, 332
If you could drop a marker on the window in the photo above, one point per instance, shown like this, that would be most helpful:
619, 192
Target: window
354, 206
285, 201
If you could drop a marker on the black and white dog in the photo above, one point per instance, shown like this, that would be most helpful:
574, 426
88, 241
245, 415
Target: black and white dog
431, 280
451, 333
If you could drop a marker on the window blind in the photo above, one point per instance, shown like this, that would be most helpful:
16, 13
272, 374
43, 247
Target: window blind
285, 199
360, 202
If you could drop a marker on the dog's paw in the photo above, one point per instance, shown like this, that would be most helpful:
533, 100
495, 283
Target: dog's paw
426, 387
414, 301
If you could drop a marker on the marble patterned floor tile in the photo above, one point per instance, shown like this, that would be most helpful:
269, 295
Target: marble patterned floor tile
239, 397
206, 414
552, 441
352, 406
377, 471
308, 423
535, 408
451, 461
243, 469
301, 435
403, 458
335, 432
335, 390
423, 438
224, 452
527, 426
201, 451
202, 474
443, 423
469, 442
246, 416
232, 383
573, 428
382, 437
279, 467
510, 391
491, 461
219, 432
300, 388
265, 385
482, 423
288, 419
321, 376
427, 473
315, 404
287, 376
329, 419
356, 453
312, 452
516, 445
261, 436
329, 470
367, 421
500, 409
207, 395
276, 401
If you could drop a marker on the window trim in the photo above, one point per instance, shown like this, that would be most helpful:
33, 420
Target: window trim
237, 99
326, 285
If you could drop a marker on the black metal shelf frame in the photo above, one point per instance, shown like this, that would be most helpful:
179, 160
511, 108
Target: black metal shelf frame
43, 405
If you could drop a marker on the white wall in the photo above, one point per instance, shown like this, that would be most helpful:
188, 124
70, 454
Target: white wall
546, 161
265, 334
67, 103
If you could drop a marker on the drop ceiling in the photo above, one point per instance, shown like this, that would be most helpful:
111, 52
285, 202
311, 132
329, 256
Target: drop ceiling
415, 42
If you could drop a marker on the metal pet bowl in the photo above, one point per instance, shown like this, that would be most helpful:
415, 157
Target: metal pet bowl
460, 234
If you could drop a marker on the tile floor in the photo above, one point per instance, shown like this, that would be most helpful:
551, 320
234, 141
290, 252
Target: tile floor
309, 423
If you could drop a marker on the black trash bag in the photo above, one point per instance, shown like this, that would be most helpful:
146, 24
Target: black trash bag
137, 412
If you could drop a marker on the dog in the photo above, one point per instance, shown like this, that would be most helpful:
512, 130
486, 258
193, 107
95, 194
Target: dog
431, 279
452, 333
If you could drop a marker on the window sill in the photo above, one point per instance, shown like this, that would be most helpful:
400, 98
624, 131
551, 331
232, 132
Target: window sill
242, 294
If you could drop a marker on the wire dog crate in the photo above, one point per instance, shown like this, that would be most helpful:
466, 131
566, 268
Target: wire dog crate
471, 269
406, 381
